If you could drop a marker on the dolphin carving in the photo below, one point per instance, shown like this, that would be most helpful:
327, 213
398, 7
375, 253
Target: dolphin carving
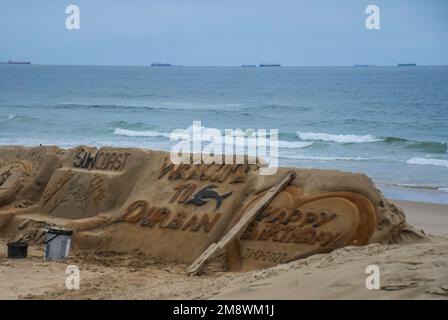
208, 193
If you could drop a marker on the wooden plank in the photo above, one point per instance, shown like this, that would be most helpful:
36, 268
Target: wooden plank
240, 226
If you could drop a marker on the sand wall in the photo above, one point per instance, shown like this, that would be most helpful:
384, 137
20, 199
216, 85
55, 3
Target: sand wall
125, 200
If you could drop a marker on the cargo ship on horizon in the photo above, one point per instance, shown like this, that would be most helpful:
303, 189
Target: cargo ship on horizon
264, 65
407, 64
159, 64
16, 62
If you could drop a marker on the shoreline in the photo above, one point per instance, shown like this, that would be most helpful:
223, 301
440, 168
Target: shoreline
390, 190
423, 195
432, 218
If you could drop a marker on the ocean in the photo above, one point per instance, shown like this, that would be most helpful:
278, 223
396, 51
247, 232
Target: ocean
388, 122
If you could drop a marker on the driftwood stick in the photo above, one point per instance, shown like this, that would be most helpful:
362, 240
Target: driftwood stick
241, 225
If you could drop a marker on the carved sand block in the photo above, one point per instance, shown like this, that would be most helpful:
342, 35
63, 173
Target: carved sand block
24, 173
10, 182
92, 181
178, 210
73, 194
131, 200
104, 159
12, 179
296, 225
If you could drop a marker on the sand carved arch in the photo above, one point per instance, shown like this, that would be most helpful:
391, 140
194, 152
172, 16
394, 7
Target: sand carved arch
366, 211
354, 228
366, 220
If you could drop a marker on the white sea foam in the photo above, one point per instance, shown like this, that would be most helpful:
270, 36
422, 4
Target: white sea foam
339, 138
208, 134
8, 117
293, 144
324, 158
412, 186
133, 133
428, 162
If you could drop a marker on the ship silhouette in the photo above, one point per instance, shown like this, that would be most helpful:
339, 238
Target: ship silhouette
160, 64
270, 65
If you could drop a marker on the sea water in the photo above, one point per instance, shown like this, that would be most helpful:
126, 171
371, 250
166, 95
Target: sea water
388, 122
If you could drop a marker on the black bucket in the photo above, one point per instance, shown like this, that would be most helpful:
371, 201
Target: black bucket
17, 250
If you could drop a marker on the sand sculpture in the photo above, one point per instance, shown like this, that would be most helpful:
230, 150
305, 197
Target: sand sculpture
133, 200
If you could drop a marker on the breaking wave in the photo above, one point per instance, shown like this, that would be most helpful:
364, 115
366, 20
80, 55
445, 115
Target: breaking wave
146, 133
209, 131
15, 117
417, 186
339, 138
324, 158
424, 146
428, 162
293, 144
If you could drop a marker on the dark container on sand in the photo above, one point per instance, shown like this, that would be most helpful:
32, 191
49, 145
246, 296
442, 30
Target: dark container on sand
17, 250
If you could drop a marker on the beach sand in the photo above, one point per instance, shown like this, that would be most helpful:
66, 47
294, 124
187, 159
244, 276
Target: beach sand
431, 217
408, 271
139, 221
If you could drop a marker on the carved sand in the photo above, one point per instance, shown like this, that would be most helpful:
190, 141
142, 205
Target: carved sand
132, 200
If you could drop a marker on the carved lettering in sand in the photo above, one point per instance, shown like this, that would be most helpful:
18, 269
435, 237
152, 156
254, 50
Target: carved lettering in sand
291, 226
101, 160
140, 212
183, 192
205, 172
262, 255
297, 225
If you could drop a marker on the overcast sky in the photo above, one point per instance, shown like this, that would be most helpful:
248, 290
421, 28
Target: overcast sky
225, 32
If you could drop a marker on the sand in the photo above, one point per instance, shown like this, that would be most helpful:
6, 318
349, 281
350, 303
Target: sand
139, 221
431, 217
413, 271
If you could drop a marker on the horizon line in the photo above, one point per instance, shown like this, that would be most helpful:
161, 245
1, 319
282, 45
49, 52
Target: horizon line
225, 66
